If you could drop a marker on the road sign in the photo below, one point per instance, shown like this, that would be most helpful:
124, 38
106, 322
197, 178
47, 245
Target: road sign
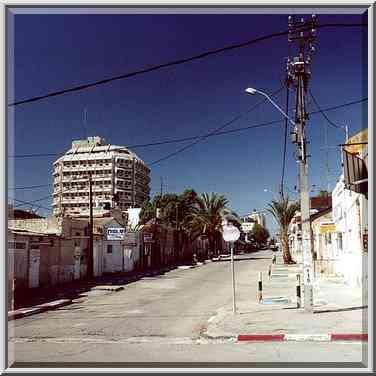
230, 233
115, 233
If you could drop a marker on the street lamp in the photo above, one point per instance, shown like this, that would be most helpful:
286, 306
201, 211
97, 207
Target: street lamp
304, 193
253, 91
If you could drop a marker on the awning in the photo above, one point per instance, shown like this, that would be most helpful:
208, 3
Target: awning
355, 173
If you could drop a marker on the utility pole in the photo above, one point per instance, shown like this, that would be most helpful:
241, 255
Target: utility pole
91, 232
161, 186
299, 73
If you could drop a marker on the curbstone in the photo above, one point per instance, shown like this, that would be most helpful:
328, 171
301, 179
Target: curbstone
54, 305
302, 337
24, 312
260, 337
307, 337
349, 337
19, 313
108, 288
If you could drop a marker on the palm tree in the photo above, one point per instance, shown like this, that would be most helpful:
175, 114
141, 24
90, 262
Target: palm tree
283, 211
206, 219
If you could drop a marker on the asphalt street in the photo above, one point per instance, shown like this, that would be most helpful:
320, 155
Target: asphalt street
160, 319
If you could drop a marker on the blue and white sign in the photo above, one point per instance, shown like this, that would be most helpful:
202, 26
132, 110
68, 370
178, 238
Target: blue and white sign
115, 233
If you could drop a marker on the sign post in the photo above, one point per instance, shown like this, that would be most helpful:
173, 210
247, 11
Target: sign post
231, 234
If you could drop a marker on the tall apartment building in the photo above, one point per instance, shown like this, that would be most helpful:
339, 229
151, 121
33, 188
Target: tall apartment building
251, 219
120, 179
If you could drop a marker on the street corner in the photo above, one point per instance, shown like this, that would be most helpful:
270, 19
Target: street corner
223, 323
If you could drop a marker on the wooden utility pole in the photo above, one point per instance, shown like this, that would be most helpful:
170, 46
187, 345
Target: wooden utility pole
299, 73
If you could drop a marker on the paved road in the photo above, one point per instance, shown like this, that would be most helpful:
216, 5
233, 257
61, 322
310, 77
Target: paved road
158, 319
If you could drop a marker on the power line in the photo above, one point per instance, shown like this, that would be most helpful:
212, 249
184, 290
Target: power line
215, 133
30, 187
169, 64
202, 138
323, 113
177, 140
28, 203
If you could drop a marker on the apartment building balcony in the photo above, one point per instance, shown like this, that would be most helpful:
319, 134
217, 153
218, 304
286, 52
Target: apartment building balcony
72, 178
87, 168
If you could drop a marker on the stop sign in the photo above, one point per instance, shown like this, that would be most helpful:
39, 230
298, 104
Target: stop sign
230, 233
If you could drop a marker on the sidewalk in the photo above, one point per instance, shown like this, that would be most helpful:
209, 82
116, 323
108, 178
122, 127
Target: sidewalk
338, 309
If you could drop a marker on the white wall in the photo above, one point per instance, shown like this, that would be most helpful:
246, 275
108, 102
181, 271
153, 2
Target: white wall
346, 215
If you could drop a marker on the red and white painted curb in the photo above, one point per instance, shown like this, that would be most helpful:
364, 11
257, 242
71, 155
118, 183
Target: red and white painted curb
302, 337
24, 312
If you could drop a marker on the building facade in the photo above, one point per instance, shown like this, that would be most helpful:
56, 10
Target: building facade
258, 217
350, 214
120, 179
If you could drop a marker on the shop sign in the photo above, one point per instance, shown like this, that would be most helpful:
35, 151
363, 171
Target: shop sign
327, 227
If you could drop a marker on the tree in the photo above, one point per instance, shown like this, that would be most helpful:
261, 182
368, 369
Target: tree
206, 219
174, 208
260, 234
283, 211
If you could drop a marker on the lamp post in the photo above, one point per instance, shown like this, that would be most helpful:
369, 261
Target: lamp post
304, 189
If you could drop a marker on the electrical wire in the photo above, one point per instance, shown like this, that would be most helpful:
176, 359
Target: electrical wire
30, 187
177, 140
188, 146
171, 63
323, 113
204, 137
274, 122
28, 203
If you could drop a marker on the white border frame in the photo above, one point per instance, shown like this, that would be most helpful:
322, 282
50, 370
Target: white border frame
150, 3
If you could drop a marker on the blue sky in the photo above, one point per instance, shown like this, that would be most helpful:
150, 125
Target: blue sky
53, 52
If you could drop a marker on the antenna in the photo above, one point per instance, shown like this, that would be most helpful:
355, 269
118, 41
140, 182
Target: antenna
85, 122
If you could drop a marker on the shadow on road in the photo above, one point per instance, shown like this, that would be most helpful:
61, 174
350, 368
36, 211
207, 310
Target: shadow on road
243, 259
78, 289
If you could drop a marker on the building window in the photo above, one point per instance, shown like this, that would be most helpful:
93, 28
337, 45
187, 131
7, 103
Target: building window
109, 248
16, 245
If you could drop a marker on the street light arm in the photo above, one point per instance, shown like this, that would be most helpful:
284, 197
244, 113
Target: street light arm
276, 106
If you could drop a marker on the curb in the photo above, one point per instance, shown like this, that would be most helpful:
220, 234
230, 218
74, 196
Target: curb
302, 337
24, 312
108, 288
